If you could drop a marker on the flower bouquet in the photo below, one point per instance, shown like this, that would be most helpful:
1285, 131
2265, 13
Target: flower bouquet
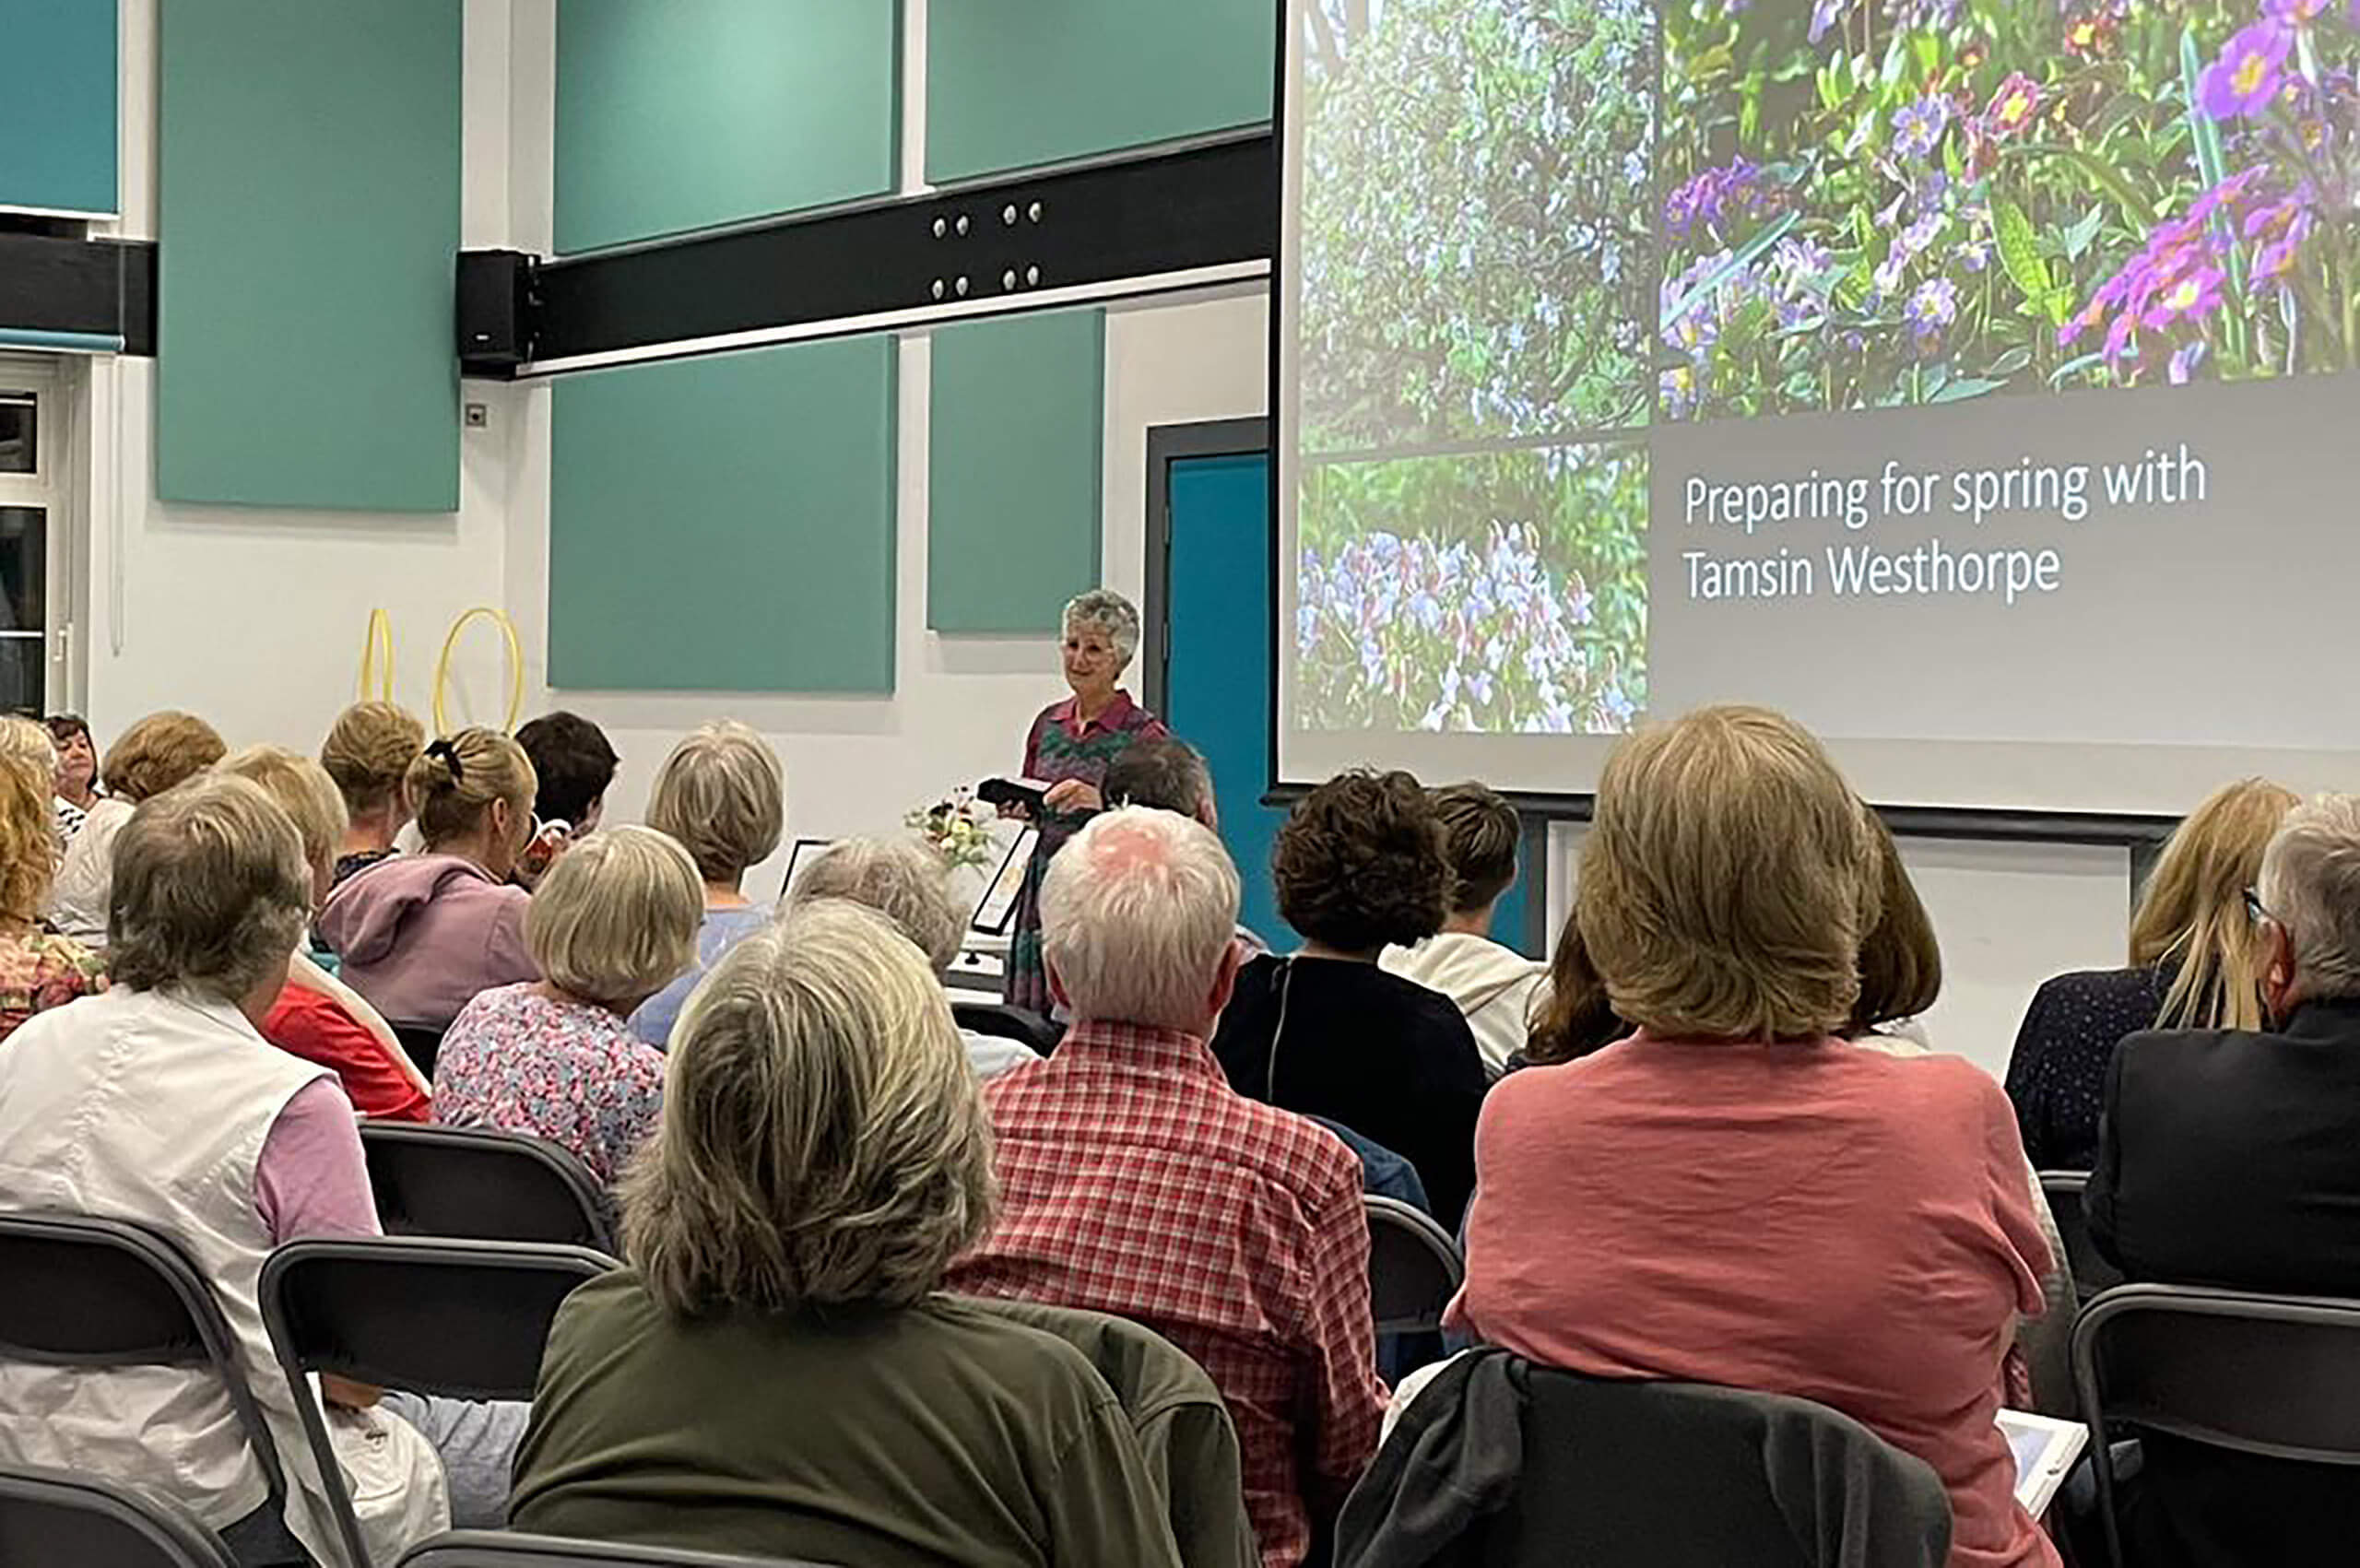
958, 828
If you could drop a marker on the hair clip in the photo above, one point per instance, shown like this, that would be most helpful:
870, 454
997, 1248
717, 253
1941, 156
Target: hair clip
448, 755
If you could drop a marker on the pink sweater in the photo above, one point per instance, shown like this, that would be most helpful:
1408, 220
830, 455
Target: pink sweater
1815, 1221
420, 935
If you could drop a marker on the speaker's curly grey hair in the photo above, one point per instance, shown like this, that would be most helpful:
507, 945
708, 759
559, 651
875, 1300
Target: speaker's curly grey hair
1111, 613
823, 1141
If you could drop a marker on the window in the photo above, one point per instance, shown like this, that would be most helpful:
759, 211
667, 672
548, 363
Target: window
34, 563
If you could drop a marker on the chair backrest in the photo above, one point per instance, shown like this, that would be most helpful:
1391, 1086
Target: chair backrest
479, 1184
1008, 1023
55, 1516
421, 1045
464, 1319
1681, 1475
86, 1292
510, 1548
2275, 1375
1413, 1267
2091, 1273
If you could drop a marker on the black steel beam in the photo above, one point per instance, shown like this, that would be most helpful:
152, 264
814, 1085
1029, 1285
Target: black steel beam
103, 287
1206, 206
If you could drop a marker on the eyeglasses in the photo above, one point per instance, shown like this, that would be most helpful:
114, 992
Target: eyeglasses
2255, 911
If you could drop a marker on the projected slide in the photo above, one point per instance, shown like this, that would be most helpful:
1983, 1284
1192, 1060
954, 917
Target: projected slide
1923, 367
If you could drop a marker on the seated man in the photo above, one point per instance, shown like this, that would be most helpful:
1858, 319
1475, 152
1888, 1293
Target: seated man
1169, 774
1135, 1181
1498, 988
2232, 1159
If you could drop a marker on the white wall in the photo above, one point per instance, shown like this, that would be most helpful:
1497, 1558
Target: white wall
252, 616
2007, 915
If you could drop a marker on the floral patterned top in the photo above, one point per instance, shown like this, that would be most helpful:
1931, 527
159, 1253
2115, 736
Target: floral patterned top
40, 970
524, 1061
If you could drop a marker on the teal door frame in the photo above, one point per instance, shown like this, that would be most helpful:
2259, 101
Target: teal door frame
1251, 438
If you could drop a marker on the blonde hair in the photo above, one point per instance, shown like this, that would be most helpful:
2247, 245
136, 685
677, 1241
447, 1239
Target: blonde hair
905, 883
300, 787
369, 751
1136, 913
615, 919
1727, 879
453, 781
722, 794
2310, 885
823, 1141
28, 740
210, 890
159, 751
2191, 913
28, 838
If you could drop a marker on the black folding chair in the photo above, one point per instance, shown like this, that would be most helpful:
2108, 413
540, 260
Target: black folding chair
2092, 1274
1006, 1023
56, 1516
421, 1045
2277, 1376
463, 1319
83, 1291
479, 1184
1413, 1268
507, 1549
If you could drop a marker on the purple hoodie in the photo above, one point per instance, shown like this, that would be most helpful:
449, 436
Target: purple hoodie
419, 934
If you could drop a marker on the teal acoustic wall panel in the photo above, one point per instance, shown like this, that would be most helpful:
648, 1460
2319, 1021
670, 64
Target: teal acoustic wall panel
1018, 412
725, 523
1012, 85
310, 191
57, 110
679, 114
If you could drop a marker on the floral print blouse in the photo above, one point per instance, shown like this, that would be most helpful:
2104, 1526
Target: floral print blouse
40, 970
521, 1060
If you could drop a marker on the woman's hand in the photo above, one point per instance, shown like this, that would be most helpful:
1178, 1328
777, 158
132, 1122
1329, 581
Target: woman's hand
1073, 796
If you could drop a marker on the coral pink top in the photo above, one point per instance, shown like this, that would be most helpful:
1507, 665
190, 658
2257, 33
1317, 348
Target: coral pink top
1807, 1220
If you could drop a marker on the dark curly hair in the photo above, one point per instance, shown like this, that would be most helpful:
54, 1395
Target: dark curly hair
1360, 864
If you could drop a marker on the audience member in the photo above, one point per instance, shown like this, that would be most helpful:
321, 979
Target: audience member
1136, 1182
77, 772
612, 926
1901, 977
1496, 987
159, 1101
909, 886
2231, 1156
722, 793
368, 753
1360, 865
317, 1017
1168, 774
1575, 1016
1069, 747
28, 741
419, 936
1733, 1195
150, 758
823, 1159
2192, 963
573, 765
38, 970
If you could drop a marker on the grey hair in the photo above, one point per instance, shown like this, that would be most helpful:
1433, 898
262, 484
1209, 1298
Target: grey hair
1163, 772
2310, 885
905, 882
210, 890
823, 1142
1136, 913
1108, 611
722, 794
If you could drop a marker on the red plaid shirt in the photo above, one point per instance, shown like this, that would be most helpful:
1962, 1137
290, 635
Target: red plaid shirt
1136, 1182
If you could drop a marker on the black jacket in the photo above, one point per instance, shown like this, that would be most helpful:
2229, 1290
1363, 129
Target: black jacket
1498, 1462
2233, 1158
